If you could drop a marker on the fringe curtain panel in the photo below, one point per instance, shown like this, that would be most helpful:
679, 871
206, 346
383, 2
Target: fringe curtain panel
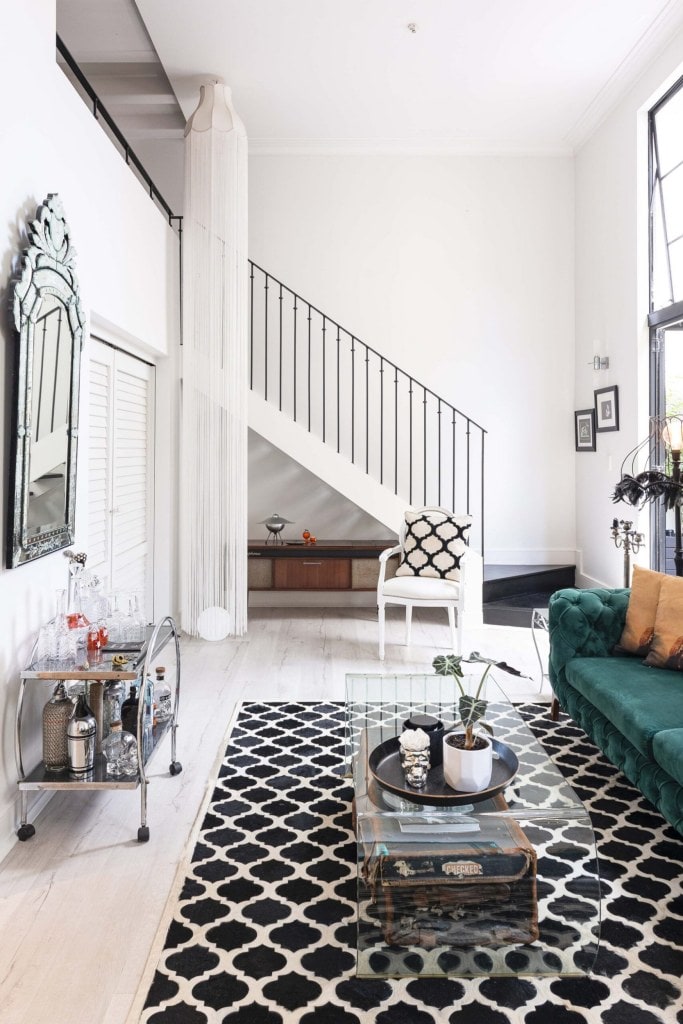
213, 479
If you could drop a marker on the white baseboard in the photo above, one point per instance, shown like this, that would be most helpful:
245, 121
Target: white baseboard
589, 582
312, 599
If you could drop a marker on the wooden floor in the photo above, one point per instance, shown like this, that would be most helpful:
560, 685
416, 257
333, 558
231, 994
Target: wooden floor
82, 902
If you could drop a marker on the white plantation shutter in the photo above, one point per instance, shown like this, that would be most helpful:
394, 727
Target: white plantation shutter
122, 467
99, 463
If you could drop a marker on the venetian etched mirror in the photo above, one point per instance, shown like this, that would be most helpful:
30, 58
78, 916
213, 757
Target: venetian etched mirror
48, 318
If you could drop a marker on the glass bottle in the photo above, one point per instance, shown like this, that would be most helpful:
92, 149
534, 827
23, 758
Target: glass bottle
113, 699
94, 603
75, 619
137, 619
148, 719
129, 712
103, 631
162, 695
56, 715
120, 752
81, 733
94, 644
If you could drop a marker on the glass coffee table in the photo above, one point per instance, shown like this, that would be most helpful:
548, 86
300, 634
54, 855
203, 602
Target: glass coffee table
454, 885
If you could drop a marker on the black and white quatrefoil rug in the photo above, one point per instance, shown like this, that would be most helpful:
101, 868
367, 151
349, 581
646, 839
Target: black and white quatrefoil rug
264, 931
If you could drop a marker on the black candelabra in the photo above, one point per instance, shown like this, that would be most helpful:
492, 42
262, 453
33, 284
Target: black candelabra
653, 484
624, 536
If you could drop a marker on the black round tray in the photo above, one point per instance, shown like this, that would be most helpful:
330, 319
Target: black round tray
385, 767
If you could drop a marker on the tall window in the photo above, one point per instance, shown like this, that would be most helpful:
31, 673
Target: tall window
666, 288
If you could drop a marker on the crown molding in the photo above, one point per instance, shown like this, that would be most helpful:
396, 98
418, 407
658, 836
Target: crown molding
651, 43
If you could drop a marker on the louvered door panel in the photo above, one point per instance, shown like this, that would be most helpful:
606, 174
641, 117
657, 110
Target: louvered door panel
100, 463
133, 477
122, 472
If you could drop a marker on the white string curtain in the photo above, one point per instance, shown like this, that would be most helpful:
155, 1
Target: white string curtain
213, 502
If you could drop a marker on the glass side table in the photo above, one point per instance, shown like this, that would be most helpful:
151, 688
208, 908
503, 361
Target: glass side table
501, 885
539, 624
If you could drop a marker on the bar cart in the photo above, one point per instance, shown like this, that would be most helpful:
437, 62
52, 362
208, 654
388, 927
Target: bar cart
102, 671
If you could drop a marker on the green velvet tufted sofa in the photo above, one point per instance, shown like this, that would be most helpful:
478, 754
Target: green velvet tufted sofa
634, 713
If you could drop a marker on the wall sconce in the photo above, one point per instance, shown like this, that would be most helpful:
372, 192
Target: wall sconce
600, 362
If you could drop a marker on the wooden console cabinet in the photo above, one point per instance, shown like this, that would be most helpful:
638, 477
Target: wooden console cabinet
326, 565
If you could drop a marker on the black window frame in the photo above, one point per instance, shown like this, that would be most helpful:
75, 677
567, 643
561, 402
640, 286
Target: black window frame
659, 319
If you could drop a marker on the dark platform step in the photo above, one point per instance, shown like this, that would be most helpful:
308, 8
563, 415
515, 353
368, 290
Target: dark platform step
504, 581
511, 591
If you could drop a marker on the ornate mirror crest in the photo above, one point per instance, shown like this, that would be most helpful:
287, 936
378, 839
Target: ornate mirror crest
49, 320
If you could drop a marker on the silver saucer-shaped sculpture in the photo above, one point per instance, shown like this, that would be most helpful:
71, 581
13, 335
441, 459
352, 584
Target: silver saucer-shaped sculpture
275, 524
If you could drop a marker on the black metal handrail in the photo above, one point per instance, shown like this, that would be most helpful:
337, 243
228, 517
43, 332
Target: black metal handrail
398, 430
100, 113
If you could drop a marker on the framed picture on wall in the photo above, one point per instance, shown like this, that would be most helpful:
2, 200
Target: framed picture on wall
606, 409
584, 430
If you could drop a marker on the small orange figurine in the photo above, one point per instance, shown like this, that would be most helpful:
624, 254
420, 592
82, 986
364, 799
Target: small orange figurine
311, 539
306, 536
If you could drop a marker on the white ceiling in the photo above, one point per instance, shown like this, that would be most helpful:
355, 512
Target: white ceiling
475, 76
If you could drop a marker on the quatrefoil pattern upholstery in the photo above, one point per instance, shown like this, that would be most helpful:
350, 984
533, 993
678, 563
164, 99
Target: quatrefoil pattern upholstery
434, 544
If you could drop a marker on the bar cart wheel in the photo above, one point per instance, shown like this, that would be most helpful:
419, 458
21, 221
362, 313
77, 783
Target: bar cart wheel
143, 833
175, 767
25, 832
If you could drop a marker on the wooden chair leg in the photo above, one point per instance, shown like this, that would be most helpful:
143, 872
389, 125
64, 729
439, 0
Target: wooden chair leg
555, 709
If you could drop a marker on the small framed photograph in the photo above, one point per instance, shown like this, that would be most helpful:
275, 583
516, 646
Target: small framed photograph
606, 409
584, 429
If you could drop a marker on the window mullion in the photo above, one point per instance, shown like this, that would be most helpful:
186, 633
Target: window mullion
657, 181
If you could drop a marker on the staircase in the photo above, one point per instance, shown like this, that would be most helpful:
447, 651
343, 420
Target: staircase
363, 425
374, 433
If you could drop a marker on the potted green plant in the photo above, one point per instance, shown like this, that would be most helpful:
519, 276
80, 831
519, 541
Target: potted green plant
468, 755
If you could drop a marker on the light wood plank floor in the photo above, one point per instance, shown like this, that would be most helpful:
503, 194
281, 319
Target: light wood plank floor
82, 902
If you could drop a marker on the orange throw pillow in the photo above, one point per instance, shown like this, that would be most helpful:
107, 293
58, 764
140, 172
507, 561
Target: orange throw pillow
666, 650
641, 612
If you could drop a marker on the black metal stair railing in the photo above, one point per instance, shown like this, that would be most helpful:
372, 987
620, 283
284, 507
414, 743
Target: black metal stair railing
362, 404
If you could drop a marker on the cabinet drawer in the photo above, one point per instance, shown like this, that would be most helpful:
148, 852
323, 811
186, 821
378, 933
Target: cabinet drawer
312, 573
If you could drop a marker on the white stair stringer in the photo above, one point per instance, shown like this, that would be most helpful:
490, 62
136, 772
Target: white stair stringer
320, 458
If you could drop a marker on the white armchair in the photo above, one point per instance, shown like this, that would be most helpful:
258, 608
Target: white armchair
414, 587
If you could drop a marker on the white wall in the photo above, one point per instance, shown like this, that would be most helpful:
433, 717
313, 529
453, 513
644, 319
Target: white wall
460, 269
612, 307
127, 267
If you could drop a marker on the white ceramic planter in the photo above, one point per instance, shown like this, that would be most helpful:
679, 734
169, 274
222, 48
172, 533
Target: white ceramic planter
467, 770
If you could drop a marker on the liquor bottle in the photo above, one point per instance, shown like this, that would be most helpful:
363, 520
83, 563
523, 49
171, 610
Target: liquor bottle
56, 715
162, 695
81, 733
120, 752
75, 619
148, 719
129, 712
113, 699
94, 643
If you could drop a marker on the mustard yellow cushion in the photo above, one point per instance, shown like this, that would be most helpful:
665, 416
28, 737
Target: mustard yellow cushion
641, 613
666, 650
